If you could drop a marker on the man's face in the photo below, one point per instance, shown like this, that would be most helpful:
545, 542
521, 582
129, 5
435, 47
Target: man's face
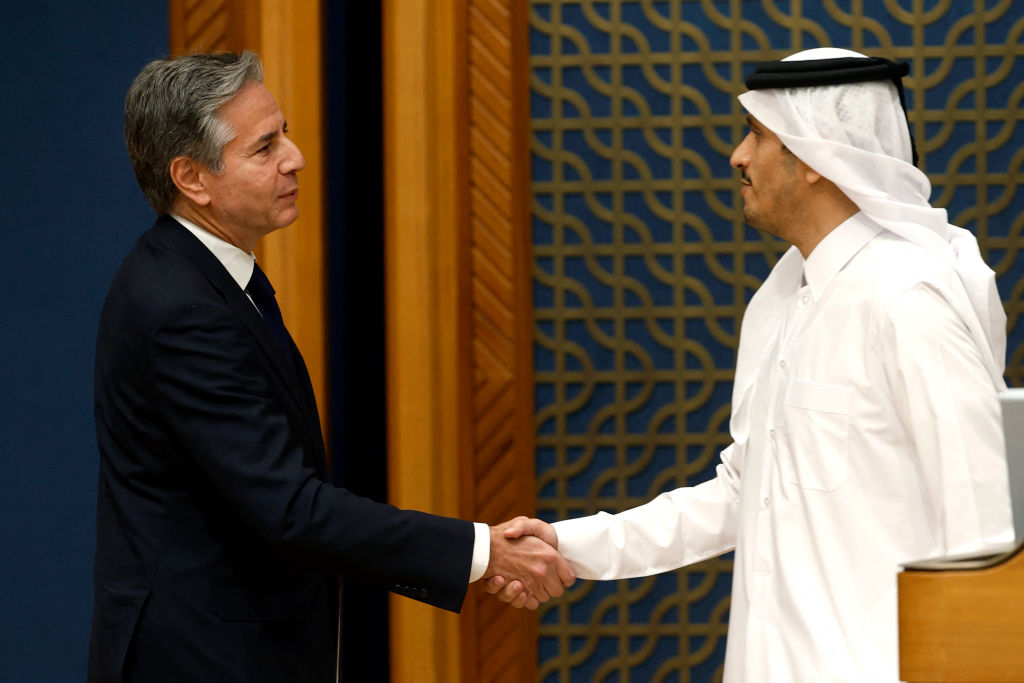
255, 193
769, 173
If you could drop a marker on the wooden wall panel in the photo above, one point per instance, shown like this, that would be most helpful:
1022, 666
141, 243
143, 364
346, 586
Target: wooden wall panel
214, 25
501, 310
459, 316
425, 318
287, 37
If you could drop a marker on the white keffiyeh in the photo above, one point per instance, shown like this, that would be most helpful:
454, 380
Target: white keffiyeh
856, 136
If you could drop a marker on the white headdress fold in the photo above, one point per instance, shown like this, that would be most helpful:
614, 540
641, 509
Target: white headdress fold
856, 136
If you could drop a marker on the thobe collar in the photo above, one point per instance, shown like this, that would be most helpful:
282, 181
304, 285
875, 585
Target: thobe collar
836, 249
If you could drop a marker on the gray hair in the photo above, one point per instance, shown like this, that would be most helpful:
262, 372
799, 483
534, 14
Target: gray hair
171, 111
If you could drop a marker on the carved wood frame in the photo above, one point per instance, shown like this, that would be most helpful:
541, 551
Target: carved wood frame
460, 329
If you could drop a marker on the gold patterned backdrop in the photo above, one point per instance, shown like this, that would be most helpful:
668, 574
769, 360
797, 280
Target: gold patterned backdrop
643, 266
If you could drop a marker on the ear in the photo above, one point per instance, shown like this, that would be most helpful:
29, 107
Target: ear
810, 175
189, 176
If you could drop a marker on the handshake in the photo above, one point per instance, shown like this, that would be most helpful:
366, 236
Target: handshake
526, 568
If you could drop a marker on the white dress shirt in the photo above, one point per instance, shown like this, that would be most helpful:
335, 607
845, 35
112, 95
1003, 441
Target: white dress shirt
239, 265
866, 434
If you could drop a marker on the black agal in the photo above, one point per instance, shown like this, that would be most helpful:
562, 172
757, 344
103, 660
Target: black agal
835, 71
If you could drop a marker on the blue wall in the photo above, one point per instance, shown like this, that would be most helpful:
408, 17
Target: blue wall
70, 211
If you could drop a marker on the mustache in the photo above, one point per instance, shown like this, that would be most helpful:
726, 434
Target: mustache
744, 177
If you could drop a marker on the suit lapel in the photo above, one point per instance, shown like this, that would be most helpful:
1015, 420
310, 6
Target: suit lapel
314, 416
177, 237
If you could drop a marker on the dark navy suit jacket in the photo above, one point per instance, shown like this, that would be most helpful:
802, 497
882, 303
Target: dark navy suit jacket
219, 535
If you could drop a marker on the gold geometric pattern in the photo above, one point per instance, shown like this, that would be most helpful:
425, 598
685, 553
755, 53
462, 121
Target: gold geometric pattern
643, 265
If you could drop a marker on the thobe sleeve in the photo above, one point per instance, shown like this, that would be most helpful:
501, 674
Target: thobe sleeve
677, 528
947, 402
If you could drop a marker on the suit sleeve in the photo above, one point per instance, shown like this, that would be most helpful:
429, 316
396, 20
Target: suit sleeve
226, 412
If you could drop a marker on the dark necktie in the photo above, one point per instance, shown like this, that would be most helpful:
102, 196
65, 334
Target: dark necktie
262, 293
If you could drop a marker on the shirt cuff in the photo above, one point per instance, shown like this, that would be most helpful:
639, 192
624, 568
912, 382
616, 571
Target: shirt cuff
481, 551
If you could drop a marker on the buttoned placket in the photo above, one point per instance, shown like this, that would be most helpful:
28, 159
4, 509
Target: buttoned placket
774, 381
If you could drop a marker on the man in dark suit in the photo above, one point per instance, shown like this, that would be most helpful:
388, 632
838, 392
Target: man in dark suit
219, 534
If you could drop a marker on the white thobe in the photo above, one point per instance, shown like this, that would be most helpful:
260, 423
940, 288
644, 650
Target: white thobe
866, 434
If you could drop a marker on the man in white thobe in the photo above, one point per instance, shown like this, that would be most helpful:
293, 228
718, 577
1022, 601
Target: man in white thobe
865, 415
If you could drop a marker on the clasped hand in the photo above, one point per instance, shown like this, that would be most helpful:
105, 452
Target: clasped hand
526, 568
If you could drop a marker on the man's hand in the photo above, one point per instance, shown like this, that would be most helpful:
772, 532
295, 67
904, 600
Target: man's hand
525, 568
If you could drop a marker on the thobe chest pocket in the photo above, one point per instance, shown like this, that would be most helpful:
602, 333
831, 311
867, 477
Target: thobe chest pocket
816, 435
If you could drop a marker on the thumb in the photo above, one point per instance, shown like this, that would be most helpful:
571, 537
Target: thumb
544, 532
517, 527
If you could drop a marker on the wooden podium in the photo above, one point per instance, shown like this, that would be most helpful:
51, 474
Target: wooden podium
962, 620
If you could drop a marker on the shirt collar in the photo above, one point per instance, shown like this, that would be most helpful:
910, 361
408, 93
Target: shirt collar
836, 250
238, 263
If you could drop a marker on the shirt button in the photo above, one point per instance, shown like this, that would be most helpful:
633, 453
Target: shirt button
766, 503
782, 365
771, 434
806, 299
